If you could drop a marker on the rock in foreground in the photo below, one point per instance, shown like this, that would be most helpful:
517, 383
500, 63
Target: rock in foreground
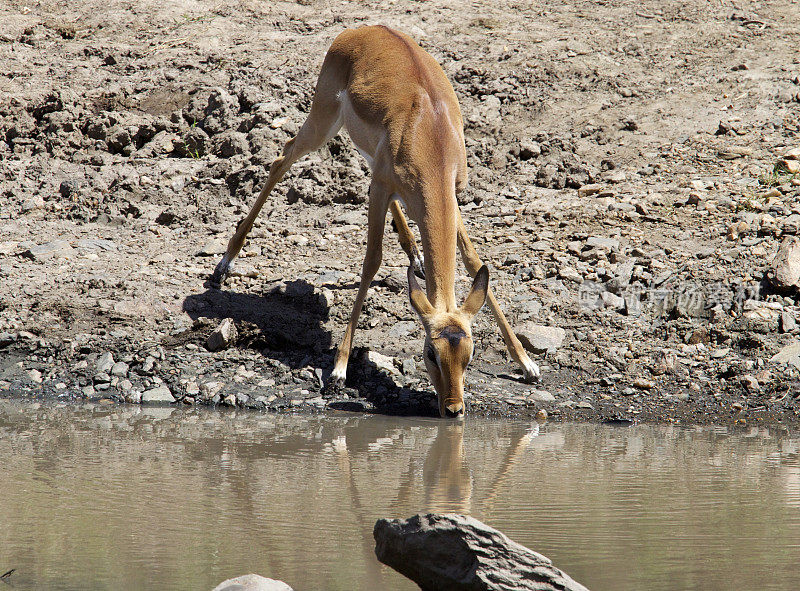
252, 583
787, 264
460, 553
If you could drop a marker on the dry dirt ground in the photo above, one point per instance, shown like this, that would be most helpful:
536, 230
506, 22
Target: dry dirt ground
625, 186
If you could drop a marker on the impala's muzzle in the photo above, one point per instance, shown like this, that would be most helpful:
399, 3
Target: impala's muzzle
454, 410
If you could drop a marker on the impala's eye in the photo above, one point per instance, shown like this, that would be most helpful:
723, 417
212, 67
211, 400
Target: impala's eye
431, 355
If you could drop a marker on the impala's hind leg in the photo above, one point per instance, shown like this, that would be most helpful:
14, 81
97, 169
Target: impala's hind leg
323, 122
407, 242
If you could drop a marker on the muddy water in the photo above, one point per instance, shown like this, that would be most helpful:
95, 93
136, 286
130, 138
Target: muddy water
105, 497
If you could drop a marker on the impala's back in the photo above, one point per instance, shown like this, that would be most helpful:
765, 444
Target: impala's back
392, 82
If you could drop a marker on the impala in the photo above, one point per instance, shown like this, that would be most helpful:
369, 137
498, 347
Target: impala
403, 116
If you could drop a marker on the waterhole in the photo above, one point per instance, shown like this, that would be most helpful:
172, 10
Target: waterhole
109, 497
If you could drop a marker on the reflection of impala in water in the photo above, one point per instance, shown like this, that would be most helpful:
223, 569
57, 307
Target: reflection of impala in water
446, 475
447, 480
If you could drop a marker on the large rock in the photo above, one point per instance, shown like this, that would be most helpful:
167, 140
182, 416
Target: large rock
158, 395
193, 144
48, 250
602, 243
541, 396
459, 553
221, 111
382, 361
213, 247
252, 583
105, 363
540, 339
790, 354
7, 338
787, 264
223, 336
229, 143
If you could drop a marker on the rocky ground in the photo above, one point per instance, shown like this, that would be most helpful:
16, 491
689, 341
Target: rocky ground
633, 175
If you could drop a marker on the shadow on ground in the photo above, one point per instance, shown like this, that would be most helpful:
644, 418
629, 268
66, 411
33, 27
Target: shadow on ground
285, 324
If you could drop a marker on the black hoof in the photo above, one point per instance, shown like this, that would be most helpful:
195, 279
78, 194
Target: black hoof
333, 387
419, 267
220, 274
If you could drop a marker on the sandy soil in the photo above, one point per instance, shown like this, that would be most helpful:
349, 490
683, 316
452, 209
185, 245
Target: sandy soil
626, 186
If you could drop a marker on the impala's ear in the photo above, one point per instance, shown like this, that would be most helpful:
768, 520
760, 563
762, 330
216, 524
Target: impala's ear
477, 295
419, 301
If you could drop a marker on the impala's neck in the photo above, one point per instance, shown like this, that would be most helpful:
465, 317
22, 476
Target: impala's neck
439, 230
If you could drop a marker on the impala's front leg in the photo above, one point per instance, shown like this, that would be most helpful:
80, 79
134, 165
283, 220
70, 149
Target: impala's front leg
378, 198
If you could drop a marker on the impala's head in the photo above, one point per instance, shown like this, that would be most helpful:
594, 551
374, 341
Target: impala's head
448, 341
